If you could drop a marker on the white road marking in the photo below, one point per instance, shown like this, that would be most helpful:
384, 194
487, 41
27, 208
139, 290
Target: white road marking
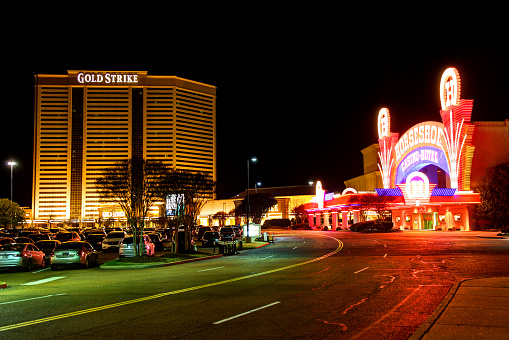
40, 270
204, 270
264, 258
294, 248
363, 269
35, 298
245, 313
49, 279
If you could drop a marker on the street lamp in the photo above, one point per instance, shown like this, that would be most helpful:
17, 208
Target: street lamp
253, 159
11, 163
257, 185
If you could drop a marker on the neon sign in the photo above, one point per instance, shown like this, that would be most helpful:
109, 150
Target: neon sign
113, 214
384, 123
450, 86
107, 78
428, 133
417, 185
320, 195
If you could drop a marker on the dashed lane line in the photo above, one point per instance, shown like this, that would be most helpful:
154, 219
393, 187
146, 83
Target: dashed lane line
174, 292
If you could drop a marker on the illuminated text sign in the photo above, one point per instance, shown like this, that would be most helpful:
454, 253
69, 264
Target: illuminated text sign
107, 78
420, 158
421, 134
113, 214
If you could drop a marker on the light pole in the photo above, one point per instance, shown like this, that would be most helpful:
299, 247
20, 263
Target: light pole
257, 185
11, 163
248, 238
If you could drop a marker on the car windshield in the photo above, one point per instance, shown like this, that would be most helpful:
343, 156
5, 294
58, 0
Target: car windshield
70, 245
95, 237
116, 235
211, 234
45, 244
63, 236
128, 240
15, 247
226, 230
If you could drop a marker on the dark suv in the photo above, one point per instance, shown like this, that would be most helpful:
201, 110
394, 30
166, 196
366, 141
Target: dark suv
227, 234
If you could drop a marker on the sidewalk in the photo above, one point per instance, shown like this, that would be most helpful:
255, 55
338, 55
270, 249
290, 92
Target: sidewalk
473, 309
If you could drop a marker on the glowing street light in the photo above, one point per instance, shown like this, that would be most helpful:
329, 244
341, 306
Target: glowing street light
253, 159
11, 163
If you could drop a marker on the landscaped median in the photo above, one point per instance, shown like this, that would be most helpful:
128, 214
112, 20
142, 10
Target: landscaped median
168, 259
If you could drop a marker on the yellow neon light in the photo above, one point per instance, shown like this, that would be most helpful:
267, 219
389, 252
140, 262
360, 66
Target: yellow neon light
450, 88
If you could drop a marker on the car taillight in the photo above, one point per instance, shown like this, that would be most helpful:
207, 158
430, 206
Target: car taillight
80, 253
51, 254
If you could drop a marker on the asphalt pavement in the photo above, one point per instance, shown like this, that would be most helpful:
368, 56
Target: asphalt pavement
473, 309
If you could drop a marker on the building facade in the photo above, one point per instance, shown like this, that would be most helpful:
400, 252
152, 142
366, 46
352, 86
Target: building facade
430, 172
86, 121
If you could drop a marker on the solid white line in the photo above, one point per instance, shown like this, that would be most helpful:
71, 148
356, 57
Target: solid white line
204, 270
363, 269
245, 313
40, 270
49, 279
35, 298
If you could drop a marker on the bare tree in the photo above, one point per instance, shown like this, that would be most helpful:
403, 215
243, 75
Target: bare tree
185, 193
134, 184
259, 205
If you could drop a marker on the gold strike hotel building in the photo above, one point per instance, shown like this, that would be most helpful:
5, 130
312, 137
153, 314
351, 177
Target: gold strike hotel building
86, 121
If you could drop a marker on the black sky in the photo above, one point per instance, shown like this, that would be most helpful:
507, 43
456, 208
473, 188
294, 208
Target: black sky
302, 94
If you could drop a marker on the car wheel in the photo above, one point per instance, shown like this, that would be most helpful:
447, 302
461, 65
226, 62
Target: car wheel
29, 266
87, 263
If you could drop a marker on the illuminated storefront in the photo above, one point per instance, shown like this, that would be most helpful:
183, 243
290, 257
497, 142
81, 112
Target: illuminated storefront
430, 171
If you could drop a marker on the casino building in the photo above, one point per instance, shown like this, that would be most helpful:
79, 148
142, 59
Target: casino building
430, 172
88, 120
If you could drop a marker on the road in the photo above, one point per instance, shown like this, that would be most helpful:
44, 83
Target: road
307, 284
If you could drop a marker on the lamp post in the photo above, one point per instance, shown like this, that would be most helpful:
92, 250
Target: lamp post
257, 184
248, 238
11, 163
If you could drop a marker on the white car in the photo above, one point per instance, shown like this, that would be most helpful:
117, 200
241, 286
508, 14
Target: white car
112, 240
127, 247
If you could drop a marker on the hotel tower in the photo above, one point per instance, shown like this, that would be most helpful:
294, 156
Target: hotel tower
86, 121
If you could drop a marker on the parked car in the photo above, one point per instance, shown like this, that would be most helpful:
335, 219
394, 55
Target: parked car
23, 239
112, 240
202, 231
69, 236
210, 238
24, 255
157, 241
47, 247
74, 253
127, 247
238, 232
38, 237
227, 234
6, 240
96, 240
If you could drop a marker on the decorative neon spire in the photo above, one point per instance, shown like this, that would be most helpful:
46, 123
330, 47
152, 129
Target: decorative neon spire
454, 148
386, 161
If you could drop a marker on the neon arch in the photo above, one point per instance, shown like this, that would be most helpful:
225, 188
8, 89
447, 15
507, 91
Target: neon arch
420, 158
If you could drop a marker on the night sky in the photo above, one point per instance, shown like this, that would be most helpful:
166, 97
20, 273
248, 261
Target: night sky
302, 96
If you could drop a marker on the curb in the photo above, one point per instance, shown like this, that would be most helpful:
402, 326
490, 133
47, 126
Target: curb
482, 236
157, 265
425, 327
